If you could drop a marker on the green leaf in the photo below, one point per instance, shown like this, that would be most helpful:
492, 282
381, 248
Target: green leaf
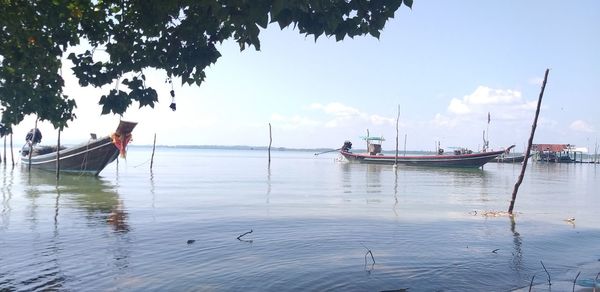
277, 7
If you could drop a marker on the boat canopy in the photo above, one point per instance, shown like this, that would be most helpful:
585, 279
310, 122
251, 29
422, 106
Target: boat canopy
372, 138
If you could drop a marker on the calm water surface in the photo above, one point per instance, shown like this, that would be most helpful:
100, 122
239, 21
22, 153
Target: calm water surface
313, 219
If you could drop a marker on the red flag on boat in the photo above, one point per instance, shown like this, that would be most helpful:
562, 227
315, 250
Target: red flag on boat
121, 141
122, 136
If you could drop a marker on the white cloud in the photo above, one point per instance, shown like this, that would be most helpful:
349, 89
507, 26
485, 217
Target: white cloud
341, 115
292, 122
581, 126
336, 109
503, 104
380, 120
443, 121
484, 96
536, 81
458, 107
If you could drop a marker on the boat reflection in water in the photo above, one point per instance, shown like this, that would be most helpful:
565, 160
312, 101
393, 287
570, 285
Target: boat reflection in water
53, 229
93, 195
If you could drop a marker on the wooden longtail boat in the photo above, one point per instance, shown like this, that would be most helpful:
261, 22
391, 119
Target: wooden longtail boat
459, 158
90, 157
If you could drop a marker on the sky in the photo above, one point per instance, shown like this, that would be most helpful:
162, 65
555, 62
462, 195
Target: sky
445, 64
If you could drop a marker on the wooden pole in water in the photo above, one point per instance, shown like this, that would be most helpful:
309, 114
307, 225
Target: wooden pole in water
31, 144
270, 142
153, 147
4, 152
397, 121
404, 144
595, 152
12, 153
529, 143
58, 155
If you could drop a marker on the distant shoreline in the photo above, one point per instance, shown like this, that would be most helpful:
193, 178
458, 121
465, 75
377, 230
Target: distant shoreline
265, 148
234, 147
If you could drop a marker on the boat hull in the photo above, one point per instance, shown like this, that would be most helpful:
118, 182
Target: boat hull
87, 158
474, 160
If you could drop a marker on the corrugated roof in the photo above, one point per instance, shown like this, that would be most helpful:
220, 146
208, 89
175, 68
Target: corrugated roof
551, 147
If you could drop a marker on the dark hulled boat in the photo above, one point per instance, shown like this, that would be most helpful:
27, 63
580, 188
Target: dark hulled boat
90, 157
459, 159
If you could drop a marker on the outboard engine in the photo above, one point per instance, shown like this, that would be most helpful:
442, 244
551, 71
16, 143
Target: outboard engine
347, 146
34, 136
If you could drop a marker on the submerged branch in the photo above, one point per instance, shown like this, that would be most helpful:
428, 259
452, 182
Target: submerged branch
549, 283
240, 237
368, 252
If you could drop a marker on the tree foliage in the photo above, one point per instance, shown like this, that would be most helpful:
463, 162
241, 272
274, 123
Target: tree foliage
178, 36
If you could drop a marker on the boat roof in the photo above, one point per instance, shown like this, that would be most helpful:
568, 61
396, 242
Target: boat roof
372, 138
552, 147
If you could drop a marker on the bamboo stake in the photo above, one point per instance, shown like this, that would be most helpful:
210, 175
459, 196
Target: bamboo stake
404, 144
4, 152
12, 153
58, 155
397, 121
367, 140
270, 142
153, 148
529, 143
31, 145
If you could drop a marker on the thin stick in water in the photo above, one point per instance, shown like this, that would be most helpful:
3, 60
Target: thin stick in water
549, 283
12, 155
153, 148
239, 237
5, 157
574, 281
397, 121
368, 252
270, 142
404, 144
529, 143
31, 145
531, 283
58, 155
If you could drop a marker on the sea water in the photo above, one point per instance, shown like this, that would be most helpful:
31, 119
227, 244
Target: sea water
228, 220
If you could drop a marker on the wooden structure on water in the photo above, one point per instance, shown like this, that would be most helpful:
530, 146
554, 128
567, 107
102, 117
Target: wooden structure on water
557, 153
